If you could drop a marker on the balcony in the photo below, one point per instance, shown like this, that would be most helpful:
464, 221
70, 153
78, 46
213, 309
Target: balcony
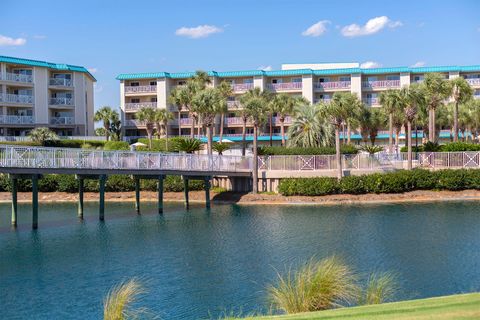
241, 87
324, 100
13, 77
233, 104
133, 123
381, 84
474, 82
16, 98
286, 86
12, 119
371, 101
141, 89
334, 85
68, 102
236, 121
276, 120
60, 82
139, 105
186, 121
62, 120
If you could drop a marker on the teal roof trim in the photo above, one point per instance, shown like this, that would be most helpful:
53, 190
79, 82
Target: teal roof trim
44, 64
299, 72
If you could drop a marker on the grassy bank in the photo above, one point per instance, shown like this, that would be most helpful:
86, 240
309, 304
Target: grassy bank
462, 306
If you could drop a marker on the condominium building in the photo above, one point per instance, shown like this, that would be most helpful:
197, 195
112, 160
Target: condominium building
44, 94
315, 82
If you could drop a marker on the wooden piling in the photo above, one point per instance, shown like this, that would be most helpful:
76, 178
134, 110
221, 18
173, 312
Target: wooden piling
14, 202
34, 201
101, 212
207, 192
137, 195
185, 192
160, 194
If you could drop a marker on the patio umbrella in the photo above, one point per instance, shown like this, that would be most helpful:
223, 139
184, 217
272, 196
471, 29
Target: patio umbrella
138, 144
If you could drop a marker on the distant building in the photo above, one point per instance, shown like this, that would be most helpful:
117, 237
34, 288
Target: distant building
315, 82
44, 94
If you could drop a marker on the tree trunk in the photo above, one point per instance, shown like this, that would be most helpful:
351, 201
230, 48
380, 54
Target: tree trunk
282, 130
271, 129
107, 132
179, 125
166, 137
409, 145
244, 132
199, 128
209, 139
192, 126
390, 132
255, 160
455, 122
343, 133
397, 139
349, 131
338, 156
222, 124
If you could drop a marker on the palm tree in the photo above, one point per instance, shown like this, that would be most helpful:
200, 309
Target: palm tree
244, 116
284, 104
42, 134
309, 129
181, 97
389, 101
147, 116
226, 91
377, 121
436, 90
162, 116
398, 120
461, 93
410, 98
208, 104
255, 103
220, 147
337, 114
187, 145
106, 115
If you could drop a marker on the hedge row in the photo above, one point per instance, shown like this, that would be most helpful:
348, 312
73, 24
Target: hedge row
272, 151
59, 143
448, 147
394, 182
115, 183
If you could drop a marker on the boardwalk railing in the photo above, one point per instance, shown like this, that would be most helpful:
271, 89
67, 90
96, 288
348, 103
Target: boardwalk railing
379, 161
60, 158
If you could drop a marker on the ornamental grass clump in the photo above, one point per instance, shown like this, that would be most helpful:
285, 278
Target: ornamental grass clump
318, 285
380, 288
118, 302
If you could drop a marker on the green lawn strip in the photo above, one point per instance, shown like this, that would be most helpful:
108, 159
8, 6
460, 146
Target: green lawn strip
397, 310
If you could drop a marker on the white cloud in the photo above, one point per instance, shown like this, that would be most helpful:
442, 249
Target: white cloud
370, 64
317, 29
7, 41
39, 37
92, 70
265, 68
418, 64
372, 26
198, 32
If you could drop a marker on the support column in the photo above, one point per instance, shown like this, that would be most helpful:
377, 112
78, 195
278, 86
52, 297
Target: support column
14, 202
34, 202
160, 194
185, 191
207, 192
80, 198
101, 212
137, 195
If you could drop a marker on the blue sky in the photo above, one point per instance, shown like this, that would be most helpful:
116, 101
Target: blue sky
112, 37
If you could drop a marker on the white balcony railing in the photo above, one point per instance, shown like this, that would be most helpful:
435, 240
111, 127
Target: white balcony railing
139, 105
13, 119
287, 120
133, 123
381, 84
473, 81
242, 87
16, 98
284, 86
370, 101
24, 78
186, 121
62, 120
333, 85
60, 82
61, 101
140, 89
233, 104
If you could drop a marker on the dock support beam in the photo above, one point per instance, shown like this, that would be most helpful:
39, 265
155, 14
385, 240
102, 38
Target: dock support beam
80, 197
101, 211
14, 202
34, 201
185, 191
207, 192
137, 195
160, 194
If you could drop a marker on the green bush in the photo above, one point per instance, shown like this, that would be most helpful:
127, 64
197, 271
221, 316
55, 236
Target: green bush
460, 146
414, 149
116, 145
270, 151
159, 144
309, 186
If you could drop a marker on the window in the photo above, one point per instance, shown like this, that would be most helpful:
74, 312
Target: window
134, 84
181, 82
231, 115
321, 80
22, 92
417, 78
67, 95
183, 116
296, 79
66, 76
371, 95
276, 80
247, 80
249, 130
393, 77
372, 78
23, 71
153, 99
231, 131
153, 83
344, 78
135, 100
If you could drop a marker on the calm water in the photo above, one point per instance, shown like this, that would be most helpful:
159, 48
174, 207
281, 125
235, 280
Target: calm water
200, 263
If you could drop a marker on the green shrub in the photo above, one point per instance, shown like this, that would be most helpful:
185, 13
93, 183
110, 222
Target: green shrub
116, 145
451, 179
460, 146
119, 183
309, 186
277, 150
353, 185
414, 149
67, 183
159, 145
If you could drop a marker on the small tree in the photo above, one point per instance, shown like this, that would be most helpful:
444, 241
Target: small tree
187, 145
389, 101
42, 135
107, 115
461, 93
220, 147
162, 116
309, 129
147, 116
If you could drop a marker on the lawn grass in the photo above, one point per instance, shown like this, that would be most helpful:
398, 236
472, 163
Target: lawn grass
462, 306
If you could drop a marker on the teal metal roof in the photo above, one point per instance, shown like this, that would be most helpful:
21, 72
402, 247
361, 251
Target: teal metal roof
299, 72
50, 65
